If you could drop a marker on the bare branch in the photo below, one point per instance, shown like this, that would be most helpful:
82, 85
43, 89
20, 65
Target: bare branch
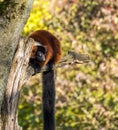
71, 58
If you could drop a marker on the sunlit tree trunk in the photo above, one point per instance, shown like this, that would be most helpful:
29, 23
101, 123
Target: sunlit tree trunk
13, 16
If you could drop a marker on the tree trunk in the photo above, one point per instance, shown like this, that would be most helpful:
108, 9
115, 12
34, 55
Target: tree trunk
16, 79
13, 16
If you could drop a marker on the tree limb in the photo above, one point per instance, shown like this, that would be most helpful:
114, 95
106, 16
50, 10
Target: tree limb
71, 58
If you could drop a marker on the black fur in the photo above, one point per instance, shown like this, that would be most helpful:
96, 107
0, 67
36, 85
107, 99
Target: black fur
48, 100
42, 49
40, 54
33, 63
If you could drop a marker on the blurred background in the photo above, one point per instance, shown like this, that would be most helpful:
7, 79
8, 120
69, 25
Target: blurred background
87, 94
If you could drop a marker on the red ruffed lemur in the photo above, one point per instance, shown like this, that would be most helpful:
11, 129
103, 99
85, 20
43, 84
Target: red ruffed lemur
47, 51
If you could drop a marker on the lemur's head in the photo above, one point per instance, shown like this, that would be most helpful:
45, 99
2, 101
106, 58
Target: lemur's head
39, 52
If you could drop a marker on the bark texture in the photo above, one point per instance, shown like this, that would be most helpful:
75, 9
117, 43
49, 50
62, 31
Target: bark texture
16, 79
13, 16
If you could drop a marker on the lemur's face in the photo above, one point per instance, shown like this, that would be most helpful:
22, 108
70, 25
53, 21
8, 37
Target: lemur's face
40, 54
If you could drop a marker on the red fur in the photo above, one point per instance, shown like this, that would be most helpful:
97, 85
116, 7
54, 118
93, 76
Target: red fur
51, 44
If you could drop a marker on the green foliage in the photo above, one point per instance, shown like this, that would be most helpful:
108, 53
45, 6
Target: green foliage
38, 16
86, 94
